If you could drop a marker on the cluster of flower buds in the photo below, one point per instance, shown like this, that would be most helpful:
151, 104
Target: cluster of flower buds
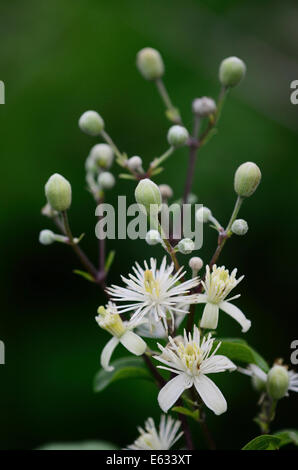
100, 158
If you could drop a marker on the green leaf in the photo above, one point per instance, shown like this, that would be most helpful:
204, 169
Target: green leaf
126, 176
157, 171
109, 260
124, 368
83, 445
84, 274
185, 411
265, 442
238, 350
287, 436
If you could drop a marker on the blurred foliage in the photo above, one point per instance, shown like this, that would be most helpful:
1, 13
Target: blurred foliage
59, 59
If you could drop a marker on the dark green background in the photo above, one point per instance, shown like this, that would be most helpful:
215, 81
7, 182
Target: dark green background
60, 58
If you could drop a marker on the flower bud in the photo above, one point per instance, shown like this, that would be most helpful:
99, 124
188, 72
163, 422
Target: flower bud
153, 237
58, 192
204, 106
203, 214
91, 123
277, 382
247, 179
165, 191
231, 71
239, 227
46, 237
186, 246
150, 63
106, 180
103, 155
177, 136
195, 264
147, 193
135, 163
258, 384
48, 211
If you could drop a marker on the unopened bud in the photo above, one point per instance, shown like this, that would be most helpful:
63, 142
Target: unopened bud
46, 237
153, 237
204, 106
203, 214
177, 136
58, 192
48, 211
103, 155
195, 264
239, 227
91, 123
106, 180
247, 179
165, 191
150, 63
277, 382
231, 71
147, 193
135, 163
186, 246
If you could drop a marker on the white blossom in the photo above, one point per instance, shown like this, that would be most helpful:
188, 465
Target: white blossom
163, 439
217, 286
191, 359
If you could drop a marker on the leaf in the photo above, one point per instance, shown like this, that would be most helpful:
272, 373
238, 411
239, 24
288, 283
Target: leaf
126, 176
185, 411
84, 274
238, 350
109, 260
124, 368
83, 445
287, 436
265, 442
157, 171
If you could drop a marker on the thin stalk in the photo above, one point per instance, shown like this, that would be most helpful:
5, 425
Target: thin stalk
193, 148
167, 101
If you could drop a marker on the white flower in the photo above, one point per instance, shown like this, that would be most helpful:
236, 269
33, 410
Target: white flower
259, 377
192, 361
218, 284
155, 293
109, 319
151, 439
153, 329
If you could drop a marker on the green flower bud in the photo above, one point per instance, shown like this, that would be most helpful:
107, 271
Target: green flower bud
186, 246
58, 192
153, 237
258, 384
91, 123
106, 180
239, 227
46, 237
135, 163
150, 63
231, 71
147, 193
195, 264
247, 179
165, 191
103, 155
203, 214
204, 106
277, 382
177, 136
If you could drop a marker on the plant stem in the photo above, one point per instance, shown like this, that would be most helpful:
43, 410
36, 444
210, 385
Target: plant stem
101, 251
159, 378
81, 255
193, 148
167, 101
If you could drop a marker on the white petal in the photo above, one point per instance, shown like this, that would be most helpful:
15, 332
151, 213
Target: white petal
210, 316
107, 353
236, 313
210, 394
201, 298
133, 343
217, 363
170, 393
257, 372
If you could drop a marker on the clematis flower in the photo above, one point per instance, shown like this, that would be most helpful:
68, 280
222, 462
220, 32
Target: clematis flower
154, 293
163, 439
191, 359
153, 329
217, 285
109, 319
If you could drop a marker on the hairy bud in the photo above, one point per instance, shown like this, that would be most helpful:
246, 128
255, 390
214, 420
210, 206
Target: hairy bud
277, 382
239, 227
203, 214
186, 246
106, 180
150, 63
177, 136
147, 193
204, 106
91, 123
58, 192
247, 179
231, 71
